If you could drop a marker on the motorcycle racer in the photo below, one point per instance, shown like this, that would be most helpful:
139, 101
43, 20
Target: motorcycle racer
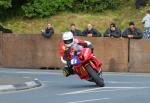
71, 46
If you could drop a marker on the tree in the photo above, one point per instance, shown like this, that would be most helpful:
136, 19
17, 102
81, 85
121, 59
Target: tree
5, 4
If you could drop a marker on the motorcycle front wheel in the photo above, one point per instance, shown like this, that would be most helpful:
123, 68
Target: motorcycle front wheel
98, 80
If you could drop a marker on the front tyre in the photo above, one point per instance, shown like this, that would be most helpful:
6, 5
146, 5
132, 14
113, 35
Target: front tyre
99, 81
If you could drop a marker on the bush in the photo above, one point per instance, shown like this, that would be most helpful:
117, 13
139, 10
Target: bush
5, 3
43, 8
96, 5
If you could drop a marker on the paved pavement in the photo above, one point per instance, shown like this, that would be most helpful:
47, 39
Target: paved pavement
13, 83
120, 88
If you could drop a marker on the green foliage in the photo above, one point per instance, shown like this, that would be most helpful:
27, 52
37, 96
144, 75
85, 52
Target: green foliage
43, 8
96, 5
149, 2
5, 3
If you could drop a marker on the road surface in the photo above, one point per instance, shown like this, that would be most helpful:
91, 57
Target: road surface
120, 88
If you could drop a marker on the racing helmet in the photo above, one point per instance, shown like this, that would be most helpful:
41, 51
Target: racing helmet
68, 38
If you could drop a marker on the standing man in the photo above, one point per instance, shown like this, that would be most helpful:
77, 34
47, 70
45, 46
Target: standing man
140, 3
146, 22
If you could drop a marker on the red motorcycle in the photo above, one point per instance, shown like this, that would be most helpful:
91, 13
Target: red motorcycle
88, 67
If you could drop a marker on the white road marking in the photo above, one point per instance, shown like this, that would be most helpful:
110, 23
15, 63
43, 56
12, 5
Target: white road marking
26, 77
82, 91
98, 91
127, 74
6, 87
119, 82
94, 89
112, 90
90, 100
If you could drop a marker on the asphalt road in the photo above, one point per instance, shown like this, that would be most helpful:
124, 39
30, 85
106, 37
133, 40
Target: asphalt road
120, 88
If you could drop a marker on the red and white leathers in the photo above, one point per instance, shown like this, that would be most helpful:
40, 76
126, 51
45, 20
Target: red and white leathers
77, 45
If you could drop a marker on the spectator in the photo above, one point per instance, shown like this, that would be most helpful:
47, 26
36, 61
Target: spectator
91, 32
132, 32
74, 30
48, 32
113, 31
146, 22
4, 30
140, 3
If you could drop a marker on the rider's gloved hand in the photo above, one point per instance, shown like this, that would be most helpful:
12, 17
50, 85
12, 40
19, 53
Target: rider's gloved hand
78, 52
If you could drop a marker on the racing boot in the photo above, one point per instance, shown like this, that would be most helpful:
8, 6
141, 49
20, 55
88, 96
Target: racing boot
67, 71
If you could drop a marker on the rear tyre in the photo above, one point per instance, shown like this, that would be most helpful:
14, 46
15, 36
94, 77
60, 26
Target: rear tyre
94, 75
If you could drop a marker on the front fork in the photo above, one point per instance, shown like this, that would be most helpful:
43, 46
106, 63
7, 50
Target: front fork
100, 70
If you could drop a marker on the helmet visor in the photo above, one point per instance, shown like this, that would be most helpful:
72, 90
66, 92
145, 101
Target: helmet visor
68, 41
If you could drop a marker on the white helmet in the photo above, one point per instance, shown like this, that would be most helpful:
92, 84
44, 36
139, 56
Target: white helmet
68, 38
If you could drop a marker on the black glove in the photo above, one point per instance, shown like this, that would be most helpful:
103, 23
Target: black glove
78, 52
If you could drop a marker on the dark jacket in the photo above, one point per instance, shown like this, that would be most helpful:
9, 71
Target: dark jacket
48, 32
137, 33
110, 33
5, 30
92, 31
76, 32
140, 3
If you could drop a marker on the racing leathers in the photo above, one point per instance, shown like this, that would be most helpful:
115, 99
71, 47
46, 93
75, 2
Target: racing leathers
67, 52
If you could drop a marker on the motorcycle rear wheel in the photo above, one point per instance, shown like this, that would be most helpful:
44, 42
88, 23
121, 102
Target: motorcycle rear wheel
99, 81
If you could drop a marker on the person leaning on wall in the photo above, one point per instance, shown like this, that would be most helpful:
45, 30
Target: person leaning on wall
132, 32
48, 32
5, 30
90, 31
140, 3
113, 31
75, 31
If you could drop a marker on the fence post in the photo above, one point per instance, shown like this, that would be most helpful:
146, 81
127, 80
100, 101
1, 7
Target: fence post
129, 55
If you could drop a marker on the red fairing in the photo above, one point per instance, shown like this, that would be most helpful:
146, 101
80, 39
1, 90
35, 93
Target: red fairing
87, 53
87, 57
